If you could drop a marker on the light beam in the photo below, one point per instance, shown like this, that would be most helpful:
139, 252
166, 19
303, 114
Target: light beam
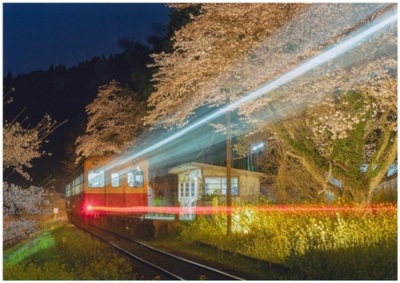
345, 45
342, 47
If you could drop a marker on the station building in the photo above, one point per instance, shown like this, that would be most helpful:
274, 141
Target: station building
198, 183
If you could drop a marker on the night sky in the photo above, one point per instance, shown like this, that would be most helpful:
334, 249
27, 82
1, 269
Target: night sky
41, 34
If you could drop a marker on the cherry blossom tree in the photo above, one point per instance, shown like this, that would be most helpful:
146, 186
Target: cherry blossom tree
286, 59
115, 119
205, 49
357, 136
286, 178
350, 137
243, 46
19, 204
23, 144
20, 146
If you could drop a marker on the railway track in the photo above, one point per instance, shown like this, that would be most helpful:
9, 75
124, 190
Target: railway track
165, 265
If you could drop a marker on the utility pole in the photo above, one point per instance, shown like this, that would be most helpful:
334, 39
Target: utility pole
228, 166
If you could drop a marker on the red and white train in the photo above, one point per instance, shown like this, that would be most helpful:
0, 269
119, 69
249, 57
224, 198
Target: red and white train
104, 182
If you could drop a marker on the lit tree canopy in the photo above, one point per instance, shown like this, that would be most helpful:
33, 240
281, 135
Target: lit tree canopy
241, 47
335, 62
18, 205
115, 119
23, 144
204, 49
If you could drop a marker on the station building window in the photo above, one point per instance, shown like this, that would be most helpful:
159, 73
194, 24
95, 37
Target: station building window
135, 179
187, 189
215, 185
96, 178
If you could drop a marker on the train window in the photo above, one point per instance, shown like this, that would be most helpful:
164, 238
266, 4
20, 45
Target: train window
81, 183
115, 180
67, 191
135, 179
96, 178
77, 185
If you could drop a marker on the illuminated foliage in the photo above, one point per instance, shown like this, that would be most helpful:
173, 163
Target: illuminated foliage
17, 200
353, 140
348, 99
206, 48
242, 46
320, 241
20, 147
17, 229
115, 119
18, 205
22, 144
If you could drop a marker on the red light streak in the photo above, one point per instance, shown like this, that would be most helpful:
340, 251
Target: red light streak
157, 209
200, 210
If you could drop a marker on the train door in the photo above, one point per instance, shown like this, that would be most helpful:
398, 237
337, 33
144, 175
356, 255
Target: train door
187, 194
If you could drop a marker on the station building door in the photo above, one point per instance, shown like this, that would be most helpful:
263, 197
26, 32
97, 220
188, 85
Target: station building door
187, 195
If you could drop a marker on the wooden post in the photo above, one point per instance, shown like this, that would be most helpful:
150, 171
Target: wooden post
228, 167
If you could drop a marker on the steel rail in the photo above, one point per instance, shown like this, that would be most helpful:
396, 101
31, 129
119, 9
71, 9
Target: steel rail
150, 264
145, 261
141, 260
230, 276
191, 262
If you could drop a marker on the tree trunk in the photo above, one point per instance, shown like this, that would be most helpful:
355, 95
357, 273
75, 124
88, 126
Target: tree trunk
388, 161
280, 179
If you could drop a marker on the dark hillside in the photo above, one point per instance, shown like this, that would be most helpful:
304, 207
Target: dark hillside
64, 93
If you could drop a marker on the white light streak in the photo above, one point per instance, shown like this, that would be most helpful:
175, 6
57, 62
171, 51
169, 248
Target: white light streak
340, 48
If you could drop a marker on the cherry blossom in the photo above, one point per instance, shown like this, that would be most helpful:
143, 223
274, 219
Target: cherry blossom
115, 119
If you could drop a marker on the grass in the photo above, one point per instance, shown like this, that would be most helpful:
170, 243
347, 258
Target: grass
66, 253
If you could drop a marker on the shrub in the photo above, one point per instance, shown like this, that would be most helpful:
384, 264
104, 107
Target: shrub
322, 242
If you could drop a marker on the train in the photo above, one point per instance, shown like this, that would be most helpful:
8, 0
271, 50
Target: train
101, 188
97, 182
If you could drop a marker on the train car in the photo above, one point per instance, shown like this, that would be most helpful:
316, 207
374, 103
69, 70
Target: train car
107, 184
